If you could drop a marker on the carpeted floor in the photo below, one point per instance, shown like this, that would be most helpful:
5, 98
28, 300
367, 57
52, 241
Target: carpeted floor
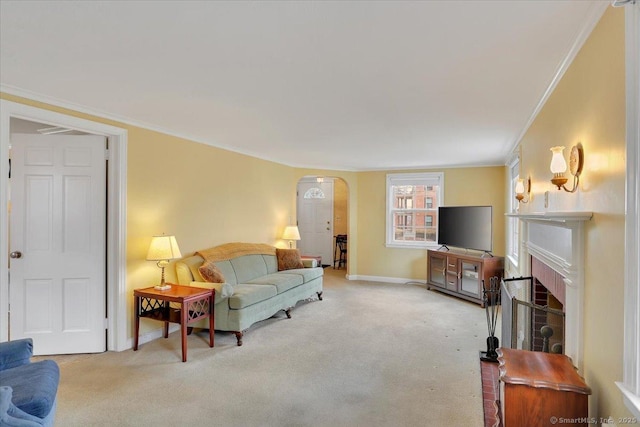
370, 354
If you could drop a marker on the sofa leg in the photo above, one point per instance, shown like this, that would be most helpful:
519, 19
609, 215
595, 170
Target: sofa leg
239, 338
319, 295
288, 312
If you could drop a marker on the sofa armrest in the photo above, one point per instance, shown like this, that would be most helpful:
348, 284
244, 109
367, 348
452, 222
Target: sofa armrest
15, 353
309, 262
223, 290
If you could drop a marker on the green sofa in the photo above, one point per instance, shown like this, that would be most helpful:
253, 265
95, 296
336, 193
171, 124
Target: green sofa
253, 288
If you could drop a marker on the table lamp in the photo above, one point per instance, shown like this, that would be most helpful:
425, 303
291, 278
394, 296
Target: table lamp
291, 233
163, 249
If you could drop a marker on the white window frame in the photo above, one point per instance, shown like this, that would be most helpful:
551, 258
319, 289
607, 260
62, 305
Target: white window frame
424, 178
630, 384
513, 224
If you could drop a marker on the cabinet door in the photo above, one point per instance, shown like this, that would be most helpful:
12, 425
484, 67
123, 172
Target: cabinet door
437, 268
470, 274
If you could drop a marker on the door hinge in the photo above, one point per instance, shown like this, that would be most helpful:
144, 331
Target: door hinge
106, 323
106, 154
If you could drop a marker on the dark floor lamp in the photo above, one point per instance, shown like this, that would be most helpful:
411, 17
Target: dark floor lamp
491, 298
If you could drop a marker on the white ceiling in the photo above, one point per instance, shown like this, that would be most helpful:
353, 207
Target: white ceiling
350, 85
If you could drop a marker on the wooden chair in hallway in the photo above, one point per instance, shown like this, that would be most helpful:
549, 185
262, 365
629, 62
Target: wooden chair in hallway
340, 251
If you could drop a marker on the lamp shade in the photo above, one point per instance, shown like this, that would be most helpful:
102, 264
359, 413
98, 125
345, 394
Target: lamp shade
291, 233
520, 186
558, 164
163, 248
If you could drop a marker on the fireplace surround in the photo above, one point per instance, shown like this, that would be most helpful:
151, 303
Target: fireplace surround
556, 239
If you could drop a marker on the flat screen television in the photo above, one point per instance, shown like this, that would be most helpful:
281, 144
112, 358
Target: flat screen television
467, 227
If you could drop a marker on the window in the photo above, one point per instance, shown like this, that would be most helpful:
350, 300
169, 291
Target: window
314, 193
412, 209
513, 224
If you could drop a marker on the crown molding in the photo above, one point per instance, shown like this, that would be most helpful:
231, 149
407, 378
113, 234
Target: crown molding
593, 17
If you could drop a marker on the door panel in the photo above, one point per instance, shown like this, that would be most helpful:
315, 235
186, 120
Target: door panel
58, 221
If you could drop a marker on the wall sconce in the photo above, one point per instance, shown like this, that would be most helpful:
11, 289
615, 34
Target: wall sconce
163, 249
559, 166
291, 233
521, 190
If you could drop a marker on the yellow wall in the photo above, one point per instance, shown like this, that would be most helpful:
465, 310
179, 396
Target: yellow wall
203, 195
340, 212
462, 186
588, 106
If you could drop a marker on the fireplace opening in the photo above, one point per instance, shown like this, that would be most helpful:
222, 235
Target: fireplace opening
548, 325
532, 317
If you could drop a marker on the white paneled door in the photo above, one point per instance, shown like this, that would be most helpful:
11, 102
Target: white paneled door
315, 218
57, 242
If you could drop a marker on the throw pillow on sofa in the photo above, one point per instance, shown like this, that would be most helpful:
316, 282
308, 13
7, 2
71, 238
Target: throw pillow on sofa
288, 259
211, 273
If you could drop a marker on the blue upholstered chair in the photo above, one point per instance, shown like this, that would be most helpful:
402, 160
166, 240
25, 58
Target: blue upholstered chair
27, 390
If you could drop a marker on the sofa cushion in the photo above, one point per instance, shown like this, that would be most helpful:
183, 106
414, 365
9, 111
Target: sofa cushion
34, 386
227, 271
211, 273
245, 295
308, 274
249, 267
272, 263
283, 282
288, 259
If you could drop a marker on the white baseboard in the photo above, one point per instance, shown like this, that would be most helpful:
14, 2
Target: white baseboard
385, 279
152, 335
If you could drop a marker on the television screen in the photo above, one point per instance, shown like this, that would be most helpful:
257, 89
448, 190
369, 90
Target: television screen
467, 227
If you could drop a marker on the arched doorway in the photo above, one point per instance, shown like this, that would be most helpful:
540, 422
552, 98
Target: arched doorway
321, 215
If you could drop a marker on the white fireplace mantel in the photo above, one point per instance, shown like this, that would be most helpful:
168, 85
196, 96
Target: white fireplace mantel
557, 239
554, 216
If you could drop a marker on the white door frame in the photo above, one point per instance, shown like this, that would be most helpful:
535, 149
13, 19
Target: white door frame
116, 213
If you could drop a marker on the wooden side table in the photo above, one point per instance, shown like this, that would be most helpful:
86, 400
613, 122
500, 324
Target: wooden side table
541, 389
195, 304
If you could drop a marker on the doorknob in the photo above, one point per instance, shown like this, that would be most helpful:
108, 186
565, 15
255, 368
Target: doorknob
16, 254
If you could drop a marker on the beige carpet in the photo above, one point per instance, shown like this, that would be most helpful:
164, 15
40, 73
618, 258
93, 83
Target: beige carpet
370, 354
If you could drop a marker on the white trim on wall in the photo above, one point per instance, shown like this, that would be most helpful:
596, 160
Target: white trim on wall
383, 279
630, 384
116, 214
